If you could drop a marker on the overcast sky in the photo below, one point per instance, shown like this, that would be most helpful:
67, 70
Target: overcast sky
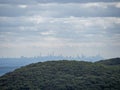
67, 27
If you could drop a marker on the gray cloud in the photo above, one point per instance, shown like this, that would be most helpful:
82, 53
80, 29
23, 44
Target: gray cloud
62, 10
72, 29
52, 1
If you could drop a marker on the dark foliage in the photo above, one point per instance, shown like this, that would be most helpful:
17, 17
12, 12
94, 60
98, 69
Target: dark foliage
64, 75
114, 61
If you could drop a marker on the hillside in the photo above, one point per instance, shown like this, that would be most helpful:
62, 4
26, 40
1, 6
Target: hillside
113, 61
64, 75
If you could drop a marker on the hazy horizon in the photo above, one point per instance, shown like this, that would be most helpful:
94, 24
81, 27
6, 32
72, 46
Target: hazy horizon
67, 27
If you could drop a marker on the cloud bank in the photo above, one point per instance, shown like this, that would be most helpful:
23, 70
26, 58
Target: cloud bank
67, 27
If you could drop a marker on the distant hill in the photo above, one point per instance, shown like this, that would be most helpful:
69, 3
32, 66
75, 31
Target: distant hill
113, 61
64, 75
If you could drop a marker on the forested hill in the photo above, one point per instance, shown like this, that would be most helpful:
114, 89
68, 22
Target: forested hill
64, 75
113, 61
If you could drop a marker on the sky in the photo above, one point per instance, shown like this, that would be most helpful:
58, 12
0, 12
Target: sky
67, 27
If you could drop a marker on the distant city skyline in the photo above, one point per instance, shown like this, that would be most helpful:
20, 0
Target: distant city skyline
50, 57
53, 54
67, 27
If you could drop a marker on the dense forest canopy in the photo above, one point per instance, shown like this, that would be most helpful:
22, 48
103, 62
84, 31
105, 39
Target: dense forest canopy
64, 75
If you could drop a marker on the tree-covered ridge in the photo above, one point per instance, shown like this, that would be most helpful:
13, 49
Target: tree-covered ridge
113, 61
64, 75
